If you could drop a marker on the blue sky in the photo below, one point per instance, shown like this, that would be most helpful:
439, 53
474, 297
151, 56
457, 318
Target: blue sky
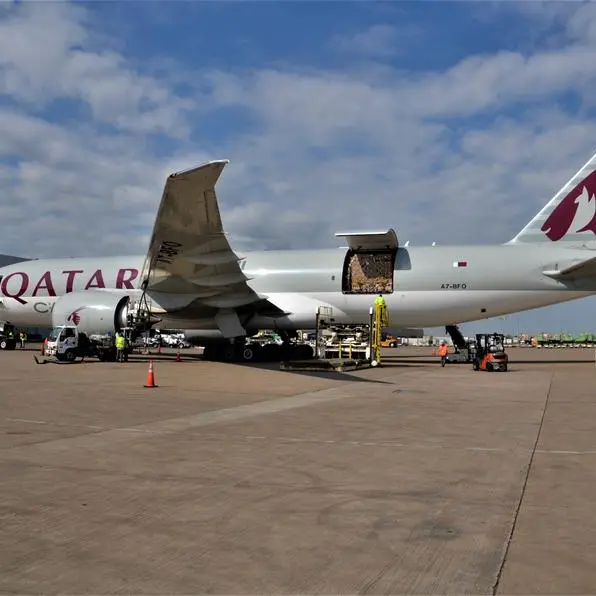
423, 115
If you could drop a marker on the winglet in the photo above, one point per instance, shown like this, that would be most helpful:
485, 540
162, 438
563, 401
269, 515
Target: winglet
214, 162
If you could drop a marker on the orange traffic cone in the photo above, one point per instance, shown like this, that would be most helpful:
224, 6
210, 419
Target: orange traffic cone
178, 357
150, 376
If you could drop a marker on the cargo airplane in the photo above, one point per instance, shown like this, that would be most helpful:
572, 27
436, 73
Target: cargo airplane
192, 279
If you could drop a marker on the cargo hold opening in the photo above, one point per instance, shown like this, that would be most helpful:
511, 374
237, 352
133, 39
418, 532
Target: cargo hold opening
368, 272
369, 262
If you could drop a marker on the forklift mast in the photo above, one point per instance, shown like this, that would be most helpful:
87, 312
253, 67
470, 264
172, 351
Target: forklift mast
490, 342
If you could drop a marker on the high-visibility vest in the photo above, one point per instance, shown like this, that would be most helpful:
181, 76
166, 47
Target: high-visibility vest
120, 342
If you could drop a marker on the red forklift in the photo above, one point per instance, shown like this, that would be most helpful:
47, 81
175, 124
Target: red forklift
488, 353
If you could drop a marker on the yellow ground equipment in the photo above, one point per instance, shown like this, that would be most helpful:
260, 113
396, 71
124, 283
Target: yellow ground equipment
379, 320
388, 341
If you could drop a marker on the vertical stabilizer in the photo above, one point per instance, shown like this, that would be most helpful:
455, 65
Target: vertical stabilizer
570, 216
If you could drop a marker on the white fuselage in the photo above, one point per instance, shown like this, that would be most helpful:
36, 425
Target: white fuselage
429, 290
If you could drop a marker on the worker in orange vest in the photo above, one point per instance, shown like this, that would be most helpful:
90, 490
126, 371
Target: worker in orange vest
443, 351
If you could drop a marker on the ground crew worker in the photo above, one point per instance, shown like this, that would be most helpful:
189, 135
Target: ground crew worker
443, 351
120, 347
380, 303
23, 339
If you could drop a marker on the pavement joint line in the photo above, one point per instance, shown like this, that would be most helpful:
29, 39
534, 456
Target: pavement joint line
50, 423
176, 425
511, 534
386, 444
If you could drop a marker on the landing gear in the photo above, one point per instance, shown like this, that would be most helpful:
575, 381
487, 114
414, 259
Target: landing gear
251, 353
242, 351
234, 352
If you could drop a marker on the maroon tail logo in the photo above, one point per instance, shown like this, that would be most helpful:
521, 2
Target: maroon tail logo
575, 213
74, 316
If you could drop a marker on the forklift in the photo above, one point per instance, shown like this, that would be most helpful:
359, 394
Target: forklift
488, 352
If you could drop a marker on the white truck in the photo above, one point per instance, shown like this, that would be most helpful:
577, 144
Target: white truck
66, 343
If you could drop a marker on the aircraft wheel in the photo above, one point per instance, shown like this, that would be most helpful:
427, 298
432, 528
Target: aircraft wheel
290, 352
305, 352
250, 353
271, 353
210, 353
229, 353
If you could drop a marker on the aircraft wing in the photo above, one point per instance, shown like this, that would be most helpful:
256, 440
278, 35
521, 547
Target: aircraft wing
190, 260
574, 270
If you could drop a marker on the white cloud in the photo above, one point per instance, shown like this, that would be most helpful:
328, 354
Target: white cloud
437, 156
42, 59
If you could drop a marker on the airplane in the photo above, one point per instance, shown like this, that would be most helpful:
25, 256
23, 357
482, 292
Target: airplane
192, 279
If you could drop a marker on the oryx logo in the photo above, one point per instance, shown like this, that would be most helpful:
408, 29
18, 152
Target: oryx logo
576, 213
74, 316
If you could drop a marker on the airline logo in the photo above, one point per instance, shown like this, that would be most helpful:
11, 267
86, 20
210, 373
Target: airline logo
576, 213
74, 317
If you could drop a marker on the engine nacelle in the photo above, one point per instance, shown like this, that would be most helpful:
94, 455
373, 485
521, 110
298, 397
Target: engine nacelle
92, 311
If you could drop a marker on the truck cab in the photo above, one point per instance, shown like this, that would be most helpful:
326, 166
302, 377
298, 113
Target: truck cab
66, 342
63, 343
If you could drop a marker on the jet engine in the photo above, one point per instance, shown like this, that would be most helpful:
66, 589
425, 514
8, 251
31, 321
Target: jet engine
92, 311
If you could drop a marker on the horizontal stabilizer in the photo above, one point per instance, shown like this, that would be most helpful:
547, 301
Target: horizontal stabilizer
573, 270
6, 260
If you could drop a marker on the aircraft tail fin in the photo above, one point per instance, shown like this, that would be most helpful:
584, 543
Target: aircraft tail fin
570, 216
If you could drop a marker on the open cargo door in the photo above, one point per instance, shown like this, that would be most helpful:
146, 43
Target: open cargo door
369, 262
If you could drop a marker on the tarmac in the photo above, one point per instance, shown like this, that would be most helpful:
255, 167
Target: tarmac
234, 479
